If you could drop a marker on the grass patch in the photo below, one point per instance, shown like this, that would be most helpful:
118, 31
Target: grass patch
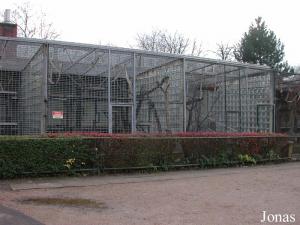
66, 202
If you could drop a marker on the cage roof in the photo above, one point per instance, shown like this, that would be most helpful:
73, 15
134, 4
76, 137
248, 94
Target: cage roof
28, 47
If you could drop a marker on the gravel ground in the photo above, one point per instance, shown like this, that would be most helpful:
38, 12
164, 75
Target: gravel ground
203, 197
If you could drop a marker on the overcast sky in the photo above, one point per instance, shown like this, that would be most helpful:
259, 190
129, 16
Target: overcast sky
211, 21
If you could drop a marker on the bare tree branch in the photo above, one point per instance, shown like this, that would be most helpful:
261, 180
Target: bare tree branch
197, 49
32, 24
164, 41
224, 51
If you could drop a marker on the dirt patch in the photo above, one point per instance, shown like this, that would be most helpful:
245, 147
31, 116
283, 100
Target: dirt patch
65, 202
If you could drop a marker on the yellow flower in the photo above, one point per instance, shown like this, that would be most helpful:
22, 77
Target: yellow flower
69, 163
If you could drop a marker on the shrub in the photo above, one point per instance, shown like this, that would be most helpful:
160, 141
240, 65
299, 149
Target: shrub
33, 156
26, 155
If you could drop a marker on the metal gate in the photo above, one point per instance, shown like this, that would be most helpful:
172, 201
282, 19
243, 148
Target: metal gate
122, 118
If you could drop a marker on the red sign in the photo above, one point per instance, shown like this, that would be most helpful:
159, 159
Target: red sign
57, 114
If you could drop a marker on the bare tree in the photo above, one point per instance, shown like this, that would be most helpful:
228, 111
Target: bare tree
46, 29
224, 51
32, 24
197, 49
164, 41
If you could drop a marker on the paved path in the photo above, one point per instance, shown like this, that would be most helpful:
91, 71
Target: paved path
90, 181
13, 217
205, 197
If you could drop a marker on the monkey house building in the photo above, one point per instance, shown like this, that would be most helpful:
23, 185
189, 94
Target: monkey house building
54, 86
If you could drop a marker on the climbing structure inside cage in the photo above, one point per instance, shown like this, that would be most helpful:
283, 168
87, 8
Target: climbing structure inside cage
51, 86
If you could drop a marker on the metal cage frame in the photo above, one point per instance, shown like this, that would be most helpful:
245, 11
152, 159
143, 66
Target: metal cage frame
54, 86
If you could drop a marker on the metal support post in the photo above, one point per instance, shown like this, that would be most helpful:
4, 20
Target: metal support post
240, 103
133, 120
184, 94
273, 101
44, 97
225, 100
109, 94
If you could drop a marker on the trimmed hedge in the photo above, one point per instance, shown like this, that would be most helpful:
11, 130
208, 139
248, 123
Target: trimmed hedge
36, 156
21, 156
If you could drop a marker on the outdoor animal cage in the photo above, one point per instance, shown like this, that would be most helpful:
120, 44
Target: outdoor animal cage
52, 86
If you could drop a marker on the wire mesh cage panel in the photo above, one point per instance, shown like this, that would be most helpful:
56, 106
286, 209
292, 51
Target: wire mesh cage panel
159, 85
287, 103
9, 87
49, 86
121, 119
77, 89
228, 98
122, 92
31, 93
17, 110
205, 97
121, 75
258, 101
